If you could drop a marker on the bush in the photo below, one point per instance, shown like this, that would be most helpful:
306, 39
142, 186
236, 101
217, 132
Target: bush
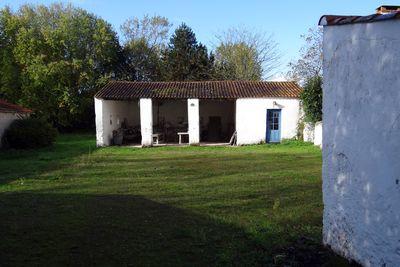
311, 98
29, 133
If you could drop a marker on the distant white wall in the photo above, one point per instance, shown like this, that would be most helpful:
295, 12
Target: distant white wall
251, 118
194, 121
6, 119
318, 134
308, 132
313, 133
110, 115
361, 147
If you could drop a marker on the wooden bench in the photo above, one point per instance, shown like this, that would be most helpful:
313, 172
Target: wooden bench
180, 136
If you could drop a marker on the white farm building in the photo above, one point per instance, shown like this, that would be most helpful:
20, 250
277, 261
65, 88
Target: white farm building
150, 113
361, 140
8, 113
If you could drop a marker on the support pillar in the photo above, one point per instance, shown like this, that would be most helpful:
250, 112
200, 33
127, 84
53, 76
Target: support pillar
193, 121
146, 121
100, 123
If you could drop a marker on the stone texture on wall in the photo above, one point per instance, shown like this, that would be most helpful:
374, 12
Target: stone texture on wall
308, 132
361, 142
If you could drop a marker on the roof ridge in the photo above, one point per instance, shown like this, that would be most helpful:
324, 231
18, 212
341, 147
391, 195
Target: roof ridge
207, 81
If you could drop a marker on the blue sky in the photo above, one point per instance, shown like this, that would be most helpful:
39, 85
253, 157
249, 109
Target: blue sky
285, 19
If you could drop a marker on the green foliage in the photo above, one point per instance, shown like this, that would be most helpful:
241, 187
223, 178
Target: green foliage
29, 133
58, 57
311, 98
152, 30
185, 59
140, 62
245, 55
237, 62
145, 40
9, 69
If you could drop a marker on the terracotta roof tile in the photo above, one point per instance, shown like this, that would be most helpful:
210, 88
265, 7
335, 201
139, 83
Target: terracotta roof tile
6, 107
122, 90
334, 20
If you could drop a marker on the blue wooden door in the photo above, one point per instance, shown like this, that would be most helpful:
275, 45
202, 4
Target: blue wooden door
273, 125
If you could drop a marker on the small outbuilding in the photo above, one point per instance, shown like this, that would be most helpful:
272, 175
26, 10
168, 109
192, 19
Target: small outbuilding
361, 136
10, 112
243, 112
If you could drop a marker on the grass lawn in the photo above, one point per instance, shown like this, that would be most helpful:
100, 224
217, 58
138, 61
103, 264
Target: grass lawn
74, 204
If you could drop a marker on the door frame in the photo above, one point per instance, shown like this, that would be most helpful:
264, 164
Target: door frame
267, 136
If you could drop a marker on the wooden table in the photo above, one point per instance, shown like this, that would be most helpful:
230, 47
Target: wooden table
180, 136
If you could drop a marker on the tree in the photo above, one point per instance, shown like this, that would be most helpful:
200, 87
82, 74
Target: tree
64, 55
311, 98
145, 39
245, 55
185, 59
152, 30
139, 62
310, 62
9, 69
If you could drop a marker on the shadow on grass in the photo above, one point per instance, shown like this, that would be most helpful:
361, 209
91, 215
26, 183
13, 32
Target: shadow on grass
17, 164
63, 229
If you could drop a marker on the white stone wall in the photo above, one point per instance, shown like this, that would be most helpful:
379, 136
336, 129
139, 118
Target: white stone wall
318, 134
308, 132
194, 121
5, 120
109, 116
251, 118
361, 142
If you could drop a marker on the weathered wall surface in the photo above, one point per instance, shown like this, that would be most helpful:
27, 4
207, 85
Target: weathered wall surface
251, 118
361, 142
110, 115
308, 132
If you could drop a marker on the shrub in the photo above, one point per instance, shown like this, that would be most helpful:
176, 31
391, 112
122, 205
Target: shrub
29, 133
311, 98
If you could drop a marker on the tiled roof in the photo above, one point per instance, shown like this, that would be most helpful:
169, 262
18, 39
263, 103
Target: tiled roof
331, 20
121, 90
6, 107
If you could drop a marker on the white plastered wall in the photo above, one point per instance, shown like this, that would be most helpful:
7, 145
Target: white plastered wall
251, 118
110, 115
318, 134
361, 147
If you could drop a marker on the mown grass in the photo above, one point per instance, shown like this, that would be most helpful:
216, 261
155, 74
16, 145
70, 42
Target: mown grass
74, 204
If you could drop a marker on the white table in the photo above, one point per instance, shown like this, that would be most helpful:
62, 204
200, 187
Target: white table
180, 136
